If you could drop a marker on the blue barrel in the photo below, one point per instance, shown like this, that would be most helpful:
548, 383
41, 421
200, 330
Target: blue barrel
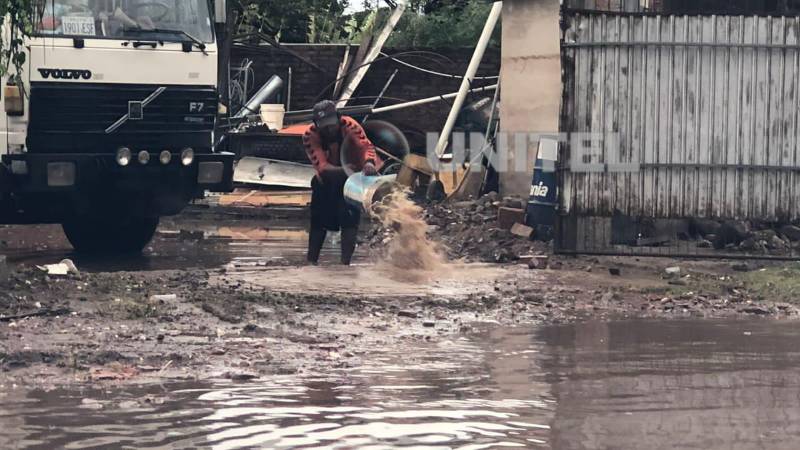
543, 201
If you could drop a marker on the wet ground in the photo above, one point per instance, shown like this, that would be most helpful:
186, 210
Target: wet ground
620, 385
219, 337
180, 244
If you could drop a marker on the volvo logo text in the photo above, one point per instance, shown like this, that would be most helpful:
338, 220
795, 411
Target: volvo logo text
66, 74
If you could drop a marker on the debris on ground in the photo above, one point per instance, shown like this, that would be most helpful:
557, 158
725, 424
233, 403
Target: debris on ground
113, 372
64, 268
475, 231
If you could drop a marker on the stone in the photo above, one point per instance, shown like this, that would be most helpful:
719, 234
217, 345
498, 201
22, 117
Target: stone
614, 271
742, 267
704, 243
429, 324
507, 217
607, 298
756, 310
539, 262
522, 231
732, 232
491, 197
4, 272
672, 272
776, 243
408, 314
705, 227
750, 245
503, 255
515, 203
791, 232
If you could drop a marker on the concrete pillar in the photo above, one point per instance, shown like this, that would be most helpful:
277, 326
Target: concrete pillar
530, 81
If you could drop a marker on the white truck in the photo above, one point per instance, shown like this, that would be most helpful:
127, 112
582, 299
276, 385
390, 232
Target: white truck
113, 125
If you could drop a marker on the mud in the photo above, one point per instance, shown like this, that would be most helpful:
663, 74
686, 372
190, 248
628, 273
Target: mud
250, 309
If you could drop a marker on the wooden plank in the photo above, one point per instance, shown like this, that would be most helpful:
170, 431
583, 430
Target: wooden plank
256, 198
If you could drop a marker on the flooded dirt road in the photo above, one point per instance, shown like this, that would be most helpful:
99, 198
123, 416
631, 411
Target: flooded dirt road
621, 385
181, 243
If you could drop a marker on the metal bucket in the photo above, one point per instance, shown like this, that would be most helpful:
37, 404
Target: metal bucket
362, 191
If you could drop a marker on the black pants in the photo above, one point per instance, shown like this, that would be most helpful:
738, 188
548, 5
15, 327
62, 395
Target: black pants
329, 211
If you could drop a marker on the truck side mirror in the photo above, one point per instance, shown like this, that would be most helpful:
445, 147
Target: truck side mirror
220, 11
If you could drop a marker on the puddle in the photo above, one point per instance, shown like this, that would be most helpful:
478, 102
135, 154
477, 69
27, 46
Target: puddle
622, 385
180, 243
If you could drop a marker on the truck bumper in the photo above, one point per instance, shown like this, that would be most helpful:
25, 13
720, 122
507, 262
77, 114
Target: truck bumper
51, 187
62, 173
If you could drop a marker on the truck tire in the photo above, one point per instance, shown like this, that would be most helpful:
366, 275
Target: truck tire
110, 235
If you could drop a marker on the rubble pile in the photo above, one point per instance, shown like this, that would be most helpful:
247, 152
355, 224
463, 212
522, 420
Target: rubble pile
752, 238
470, 230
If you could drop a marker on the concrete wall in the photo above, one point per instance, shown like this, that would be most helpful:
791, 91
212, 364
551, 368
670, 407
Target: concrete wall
530, 77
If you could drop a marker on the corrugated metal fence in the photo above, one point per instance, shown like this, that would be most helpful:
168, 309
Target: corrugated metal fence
693, 116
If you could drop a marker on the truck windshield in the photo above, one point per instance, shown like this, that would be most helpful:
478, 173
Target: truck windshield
126, 19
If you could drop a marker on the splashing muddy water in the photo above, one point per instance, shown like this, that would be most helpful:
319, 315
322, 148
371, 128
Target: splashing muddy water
411, 255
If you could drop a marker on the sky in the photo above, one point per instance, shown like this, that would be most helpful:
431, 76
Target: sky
355, 6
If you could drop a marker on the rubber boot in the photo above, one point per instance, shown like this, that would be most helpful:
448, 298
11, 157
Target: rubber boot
316, 239
349, 237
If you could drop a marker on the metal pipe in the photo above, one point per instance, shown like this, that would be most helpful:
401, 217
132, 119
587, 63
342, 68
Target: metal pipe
472, 69
381, 94
270, 88
367, 109
429, 100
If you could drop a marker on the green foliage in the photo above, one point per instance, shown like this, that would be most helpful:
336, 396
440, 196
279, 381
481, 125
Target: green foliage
447, 23
313, 21
18, 16
427, 23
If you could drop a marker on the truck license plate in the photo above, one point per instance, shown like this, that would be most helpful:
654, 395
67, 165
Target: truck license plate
77, 26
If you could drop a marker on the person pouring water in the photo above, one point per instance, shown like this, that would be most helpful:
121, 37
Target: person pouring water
337, 146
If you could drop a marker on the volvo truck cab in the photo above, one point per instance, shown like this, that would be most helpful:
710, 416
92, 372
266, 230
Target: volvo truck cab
110, 125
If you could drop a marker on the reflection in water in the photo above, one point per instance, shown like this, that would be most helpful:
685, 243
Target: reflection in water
180, 243
438, 396
628, 385
704, 385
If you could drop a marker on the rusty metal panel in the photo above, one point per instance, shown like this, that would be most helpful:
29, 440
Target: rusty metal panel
705, 106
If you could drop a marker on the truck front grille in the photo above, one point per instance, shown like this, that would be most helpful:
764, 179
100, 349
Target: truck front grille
79, 117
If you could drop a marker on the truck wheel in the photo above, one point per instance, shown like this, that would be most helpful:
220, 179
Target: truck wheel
109, 235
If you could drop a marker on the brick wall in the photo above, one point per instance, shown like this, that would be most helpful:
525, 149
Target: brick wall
409, 84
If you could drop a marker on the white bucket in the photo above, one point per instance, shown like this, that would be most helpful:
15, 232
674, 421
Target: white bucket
272, 116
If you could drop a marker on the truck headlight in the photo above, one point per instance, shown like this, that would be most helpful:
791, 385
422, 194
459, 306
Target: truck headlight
165, 157
144, 157
60, 174
124, 156
187, 156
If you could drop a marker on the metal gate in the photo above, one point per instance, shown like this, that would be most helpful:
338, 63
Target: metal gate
672, 120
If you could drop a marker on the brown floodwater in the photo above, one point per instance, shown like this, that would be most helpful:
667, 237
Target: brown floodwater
619, 385
180, 243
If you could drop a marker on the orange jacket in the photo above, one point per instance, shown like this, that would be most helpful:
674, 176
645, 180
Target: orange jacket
323, 155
